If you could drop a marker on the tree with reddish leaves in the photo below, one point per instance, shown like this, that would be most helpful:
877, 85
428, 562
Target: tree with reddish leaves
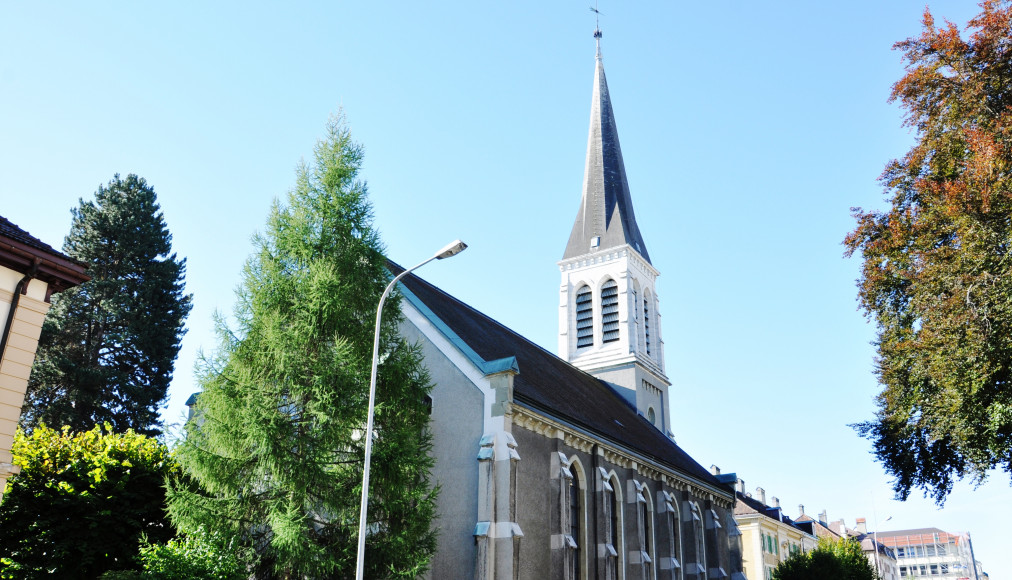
937, 265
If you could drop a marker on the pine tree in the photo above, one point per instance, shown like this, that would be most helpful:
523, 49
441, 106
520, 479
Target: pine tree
274, 457
108, 346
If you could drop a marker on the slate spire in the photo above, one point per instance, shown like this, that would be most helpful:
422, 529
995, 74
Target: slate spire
606, 219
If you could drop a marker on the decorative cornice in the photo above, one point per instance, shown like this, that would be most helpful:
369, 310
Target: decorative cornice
548, 427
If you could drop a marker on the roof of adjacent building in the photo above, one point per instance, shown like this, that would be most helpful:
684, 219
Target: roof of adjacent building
747, 504
606, 211
23, 252
914, 536
550, 385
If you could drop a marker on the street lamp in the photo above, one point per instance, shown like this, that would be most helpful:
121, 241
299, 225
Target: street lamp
874, 544
451, 250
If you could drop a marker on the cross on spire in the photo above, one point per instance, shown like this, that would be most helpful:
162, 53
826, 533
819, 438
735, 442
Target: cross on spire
597, 28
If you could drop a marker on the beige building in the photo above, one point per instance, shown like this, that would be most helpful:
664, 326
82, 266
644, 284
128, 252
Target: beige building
30, 272
768, 536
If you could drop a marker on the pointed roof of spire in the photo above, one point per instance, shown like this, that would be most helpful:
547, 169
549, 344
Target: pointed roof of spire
606, 218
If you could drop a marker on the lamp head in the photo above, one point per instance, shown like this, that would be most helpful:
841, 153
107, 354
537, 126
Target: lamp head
452, 249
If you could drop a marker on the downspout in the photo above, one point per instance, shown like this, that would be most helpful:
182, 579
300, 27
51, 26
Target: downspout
18, 290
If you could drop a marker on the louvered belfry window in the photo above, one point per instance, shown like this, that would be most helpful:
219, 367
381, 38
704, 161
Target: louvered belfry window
646, 324
609, 311
584, 317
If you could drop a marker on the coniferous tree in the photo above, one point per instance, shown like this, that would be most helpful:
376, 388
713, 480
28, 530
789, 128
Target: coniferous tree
937, 273
108, 346
275, 453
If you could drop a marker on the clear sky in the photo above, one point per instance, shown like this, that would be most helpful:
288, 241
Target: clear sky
748, 130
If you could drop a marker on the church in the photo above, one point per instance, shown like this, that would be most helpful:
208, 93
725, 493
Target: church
564, 466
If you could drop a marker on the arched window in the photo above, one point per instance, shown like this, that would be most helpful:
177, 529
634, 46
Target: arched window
609, 311
615, 557
584, 317
697, 531
646, 517
646, 321
674, 543
651, 416
576, 521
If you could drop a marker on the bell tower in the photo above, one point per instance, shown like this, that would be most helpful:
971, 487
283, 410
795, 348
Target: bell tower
609, 318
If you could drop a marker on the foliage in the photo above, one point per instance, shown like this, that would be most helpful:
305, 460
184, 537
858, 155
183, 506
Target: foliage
201, 554
937, 273
108, 346
275, 452
82, 502
830, 560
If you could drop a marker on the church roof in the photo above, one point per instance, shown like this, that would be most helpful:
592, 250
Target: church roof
606, 211
548, 384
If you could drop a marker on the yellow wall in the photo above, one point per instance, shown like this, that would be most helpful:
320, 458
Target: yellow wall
17, 358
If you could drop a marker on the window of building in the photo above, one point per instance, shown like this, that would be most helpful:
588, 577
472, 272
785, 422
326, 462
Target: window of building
584, 317
651, 416
646, 520
934, 569
903, 570
575, 522
901, 552
609, 311
929, 549
672, 568
646, 323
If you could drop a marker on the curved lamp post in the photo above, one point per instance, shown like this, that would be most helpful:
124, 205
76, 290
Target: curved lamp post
451, 250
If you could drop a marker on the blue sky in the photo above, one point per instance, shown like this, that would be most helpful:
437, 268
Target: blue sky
749, 130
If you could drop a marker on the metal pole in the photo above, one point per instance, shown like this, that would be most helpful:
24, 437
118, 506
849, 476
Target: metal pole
451, 250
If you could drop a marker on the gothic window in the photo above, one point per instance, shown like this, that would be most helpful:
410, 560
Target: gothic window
609, 311
646, 518
576, 522
615, 560
697, 569
674, 545
646, 321
651, 416
584, 317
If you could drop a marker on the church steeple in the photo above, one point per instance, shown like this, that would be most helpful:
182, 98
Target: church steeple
609, 322
606, 219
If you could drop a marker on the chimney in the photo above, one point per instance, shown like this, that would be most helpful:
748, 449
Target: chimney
761, 494
714, 470
824, 518
776, 501
862, 526
741, 486
801, 509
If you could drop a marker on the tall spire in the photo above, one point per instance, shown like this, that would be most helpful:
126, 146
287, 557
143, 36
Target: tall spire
606, 219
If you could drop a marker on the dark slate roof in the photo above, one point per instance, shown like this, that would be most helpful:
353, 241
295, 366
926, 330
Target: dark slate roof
552, 386
747, 505
606, 209
9, 230
25, 253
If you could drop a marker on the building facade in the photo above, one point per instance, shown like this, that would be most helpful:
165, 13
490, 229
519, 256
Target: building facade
933, 552
768, 535
30, 273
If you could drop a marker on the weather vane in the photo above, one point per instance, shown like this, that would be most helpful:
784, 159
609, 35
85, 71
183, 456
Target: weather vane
597, 27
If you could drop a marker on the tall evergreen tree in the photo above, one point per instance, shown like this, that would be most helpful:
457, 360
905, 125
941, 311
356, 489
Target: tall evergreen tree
108, 346
275, 455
